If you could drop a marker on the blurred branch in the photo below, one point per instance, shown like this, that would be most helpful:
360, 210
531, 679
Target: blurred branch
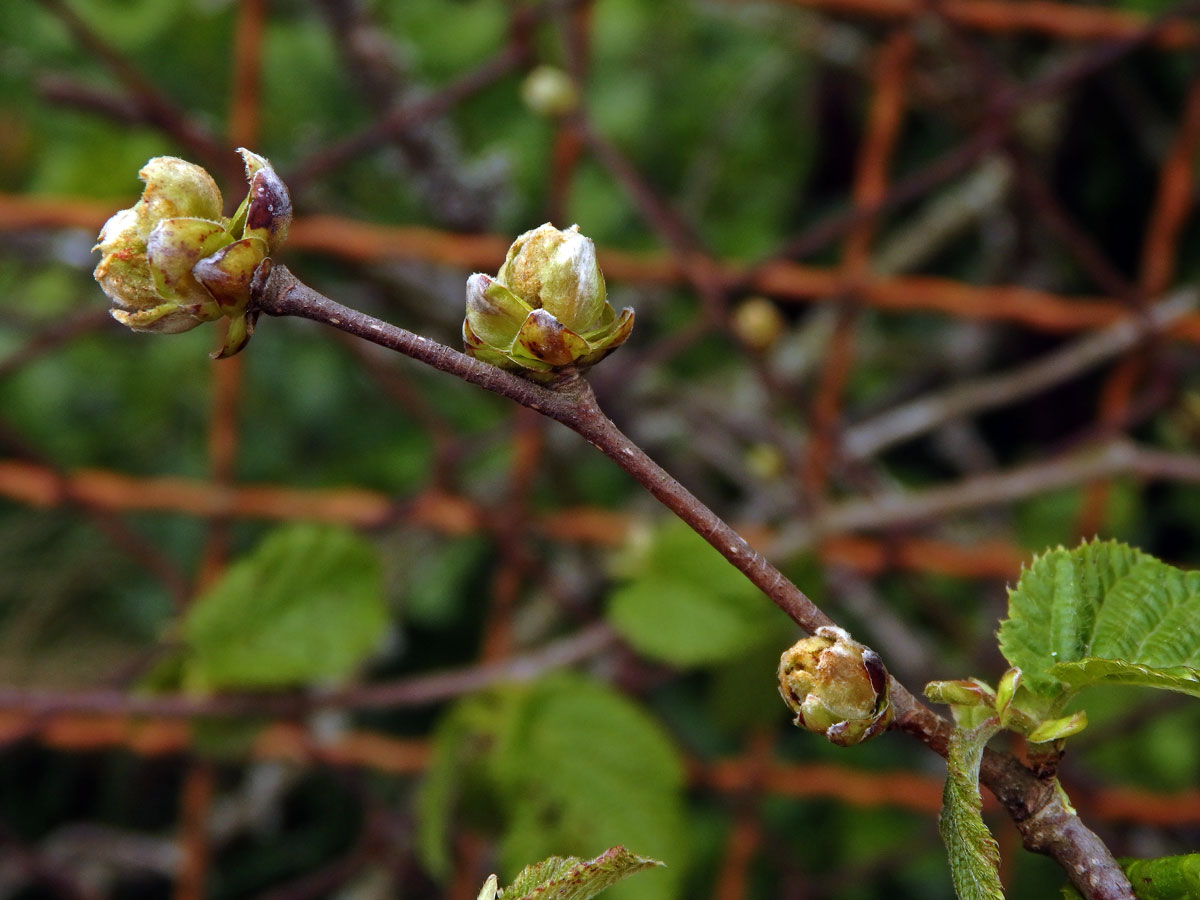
20, 864
1061, 20
156, 108
56, 333
120, 533
992, 132
420, 690
459, 198
896, 507
364, 242
915, 417
456, 515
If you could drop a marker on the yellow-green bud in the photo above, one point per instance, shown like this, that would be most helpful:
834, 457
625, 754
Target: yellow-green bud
545, 313
757, 323
836, 687
549, 91
172, 261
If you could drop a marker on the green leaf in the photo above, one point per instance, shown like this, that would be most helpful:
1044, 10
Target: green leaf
687, 605
1165, 878
306, 606
973, 853
562, 765
571, 878
588, 766
1091, 671
457, 776
1103, 613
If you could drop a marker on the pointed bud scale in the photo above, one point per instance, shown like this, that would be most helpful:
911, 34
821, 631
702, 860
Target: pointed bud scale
1057, 729
172, 261
490, 889
545, 313
1007, 690
268, 204
836, 687
964, 692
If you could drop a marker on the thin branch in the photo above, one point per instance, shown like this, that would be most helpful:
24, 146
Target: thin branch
1037, 806
898, 507
402, 120
419, 690
279, 293
156, 106
906, 421
989, 136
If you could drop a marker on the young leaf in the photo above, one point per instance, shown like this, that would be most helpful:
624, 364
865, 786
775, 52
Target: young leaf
973, 853
1103, 613
1166, 878
571, 878
687, 605
307, 605
1087, 672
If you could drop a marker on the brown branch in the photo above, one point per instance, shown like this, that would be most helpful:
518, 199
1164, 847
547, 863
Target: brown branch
1067, 21
279, 293
420, 690
1037, 806
991, 134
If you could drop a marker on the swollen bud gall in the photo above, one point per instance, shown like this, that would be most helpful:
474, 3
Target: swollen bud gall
545, 314
836, 687
172, 261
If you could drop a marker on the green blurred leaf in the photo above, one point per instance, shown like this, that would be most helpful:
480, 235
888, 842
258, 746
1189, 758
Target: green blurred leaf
435, 591
571, 878
687, 605
306, 605
1165, 878
973, 853
560, 765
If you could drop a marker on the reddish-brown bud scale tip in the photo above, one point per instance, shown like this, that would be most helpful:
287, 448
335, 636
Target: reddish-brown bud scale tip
172, 261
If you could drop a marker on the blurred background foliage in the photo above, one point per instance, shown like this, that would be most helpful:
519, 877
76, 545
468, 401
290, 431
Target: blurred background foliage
476, 533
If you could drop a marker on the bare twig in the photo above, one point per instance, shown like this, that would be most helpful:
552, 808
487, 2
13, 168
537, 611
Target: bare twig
420, 690
908, 420
898, 507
